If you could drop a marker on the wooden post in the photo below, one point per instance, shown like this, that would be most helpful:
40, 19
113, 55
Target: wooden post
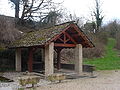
58, 50
49, 55
43, 54
30, 60
78, 59
18, 59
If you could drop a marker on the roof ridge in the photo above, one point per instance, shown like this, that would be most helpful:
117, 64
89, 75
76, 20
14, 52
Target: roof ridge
56, 25
65, 23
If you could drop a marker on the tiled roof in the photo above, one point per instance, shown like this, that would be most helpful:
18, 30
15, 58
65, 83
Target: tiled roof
39, 37
43, 36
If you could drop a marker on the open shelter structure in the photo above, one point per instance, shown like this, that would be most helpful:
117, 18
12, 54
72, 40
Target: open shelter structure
66, 35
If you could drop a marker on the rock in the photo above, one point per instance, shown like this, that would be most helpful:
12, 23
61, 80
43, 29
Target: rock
56, 77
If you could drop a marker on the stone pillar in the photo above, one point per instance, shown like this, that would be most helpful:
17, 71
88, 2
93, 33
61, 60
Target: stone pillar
18, 59
78, 59
49, 55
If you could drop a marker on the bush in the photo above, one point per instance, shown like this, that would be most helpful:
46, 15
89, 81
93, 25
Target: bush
97, 51
118, 41
99, 40
67, 56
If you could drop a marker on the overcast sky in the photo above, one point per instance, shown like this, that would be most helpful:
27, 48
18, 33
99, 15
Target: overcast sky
81, 8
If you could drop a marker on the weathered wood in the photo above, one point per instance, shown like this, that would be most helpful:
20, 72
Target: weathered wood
43, 54
30, 60
81, 34
58, 60
56, 37
18, 59
70, 38
60, 39
65, 38
58, 50
64, 45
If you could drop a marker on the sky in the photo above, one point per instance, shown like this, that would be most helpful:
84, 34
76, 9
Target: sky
82, 8
110, 8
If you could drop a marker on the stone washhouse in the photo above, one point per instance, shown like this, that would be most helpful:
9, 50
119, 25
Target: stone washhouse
66, 35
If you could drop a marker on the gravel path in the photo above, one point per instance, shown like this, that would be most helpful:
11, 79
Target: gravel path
105, 80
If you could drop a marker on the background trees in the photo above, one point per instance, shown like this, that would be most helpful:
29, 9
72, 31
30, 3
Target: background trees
42, 11
17, 6
98, 15
45, 13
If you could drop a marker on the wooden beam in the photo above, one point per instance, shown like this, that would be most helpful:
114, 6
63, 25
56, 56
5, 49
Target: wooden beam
67, 40
58, 36
55, 37
58, 50
30, 60
18, 59
70, 38
64, 45
75, 35
82, 35
60, 39
64, 38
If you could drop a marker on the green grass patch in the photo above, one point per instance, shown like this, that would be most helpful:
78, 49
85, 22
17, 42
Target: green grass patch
110, 61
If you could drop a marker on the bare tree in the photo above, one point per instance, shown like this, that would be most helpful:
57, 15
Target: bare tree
49, 20
32, 9
17, 3
89, 27
67, 17
97, 13
78, 20
37, 13
113, 27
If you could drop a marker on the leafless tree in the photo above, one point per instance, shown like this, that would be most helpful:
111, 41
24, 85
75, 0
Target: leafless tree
97, 13
17, 4
67, 16
32, 9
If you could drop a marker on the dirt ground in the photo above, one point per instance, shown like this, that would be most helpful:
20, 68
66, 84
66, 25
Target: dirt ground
105, 80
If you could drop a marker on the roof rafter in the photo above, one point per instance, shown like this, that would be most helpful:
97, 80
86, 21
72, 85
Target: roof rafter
64, 45
70, 38
85, 38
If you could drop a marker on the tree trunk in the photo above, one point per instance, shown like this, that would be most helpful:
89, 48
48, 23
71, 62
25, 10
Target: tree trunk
17, 8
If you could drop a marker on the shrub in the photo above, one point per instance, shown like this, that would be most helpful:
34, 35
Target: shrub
99, 40
118, 41
97, 51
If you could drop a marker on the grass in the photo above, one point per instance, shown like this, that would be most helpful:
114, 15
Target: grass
110, 61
